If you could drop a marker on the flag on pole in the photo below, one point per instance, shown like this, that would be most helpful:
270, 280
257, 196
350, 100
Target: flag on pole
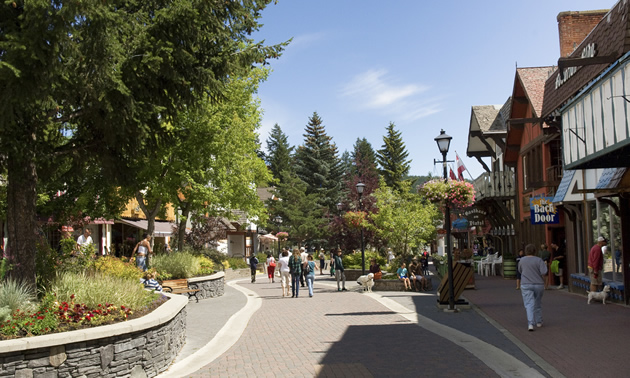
452, 174
460, 167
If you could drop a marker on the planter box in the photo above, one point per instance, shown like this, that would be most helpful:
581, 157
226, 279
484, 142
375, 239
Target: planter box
140, 347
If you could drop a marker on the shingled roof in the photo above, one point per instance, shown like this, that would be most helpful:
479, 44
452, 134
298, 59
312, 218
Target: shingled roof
533, 81
611, 39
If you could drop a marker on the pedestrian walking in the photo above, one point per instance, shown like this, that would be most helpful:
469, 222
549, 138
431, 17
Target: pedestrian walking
332, 262
519, 256
285, 272
144, 249
271, 267
339, 274
303, 257
253, 264
596, 263
533, 276
322, 261
295, 265
545, 255
310, 274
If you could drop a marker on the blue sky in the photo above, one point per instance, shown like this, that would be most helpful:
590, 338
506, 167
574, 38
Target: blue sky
420, 64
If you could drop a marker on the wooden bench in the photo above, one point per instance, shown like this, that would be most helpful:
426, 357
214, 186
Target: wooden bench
180, 286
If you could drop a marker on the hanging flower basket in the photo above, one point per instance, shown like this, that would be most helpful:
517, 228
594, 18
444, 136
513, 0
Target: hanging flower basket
458, 194
282, 236
355, 219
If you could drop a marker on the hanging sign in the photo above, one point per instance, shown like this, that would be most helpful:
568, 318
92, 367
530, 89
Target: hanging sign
476, 217
543, 211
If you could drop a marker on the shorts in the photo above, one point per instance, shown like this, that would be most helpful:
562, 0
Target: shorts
403, 277
591, 275
559, 272
322, 263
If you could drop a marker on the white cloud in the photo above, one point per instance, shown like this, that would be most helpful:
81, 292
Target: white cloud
377, 91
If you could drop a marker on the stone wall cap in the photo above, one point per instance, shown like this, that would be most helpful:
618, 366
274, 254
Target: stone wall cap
215, 276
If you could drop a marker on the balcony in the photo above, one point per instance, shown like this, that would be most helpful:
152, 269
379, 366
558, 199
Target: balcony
498, 185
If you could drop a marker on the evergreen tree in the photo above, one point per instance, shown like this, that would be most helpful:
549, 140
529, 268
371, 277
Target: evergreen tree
317, 164
364, 153
346, 163
301, 216
392, 158
278, 152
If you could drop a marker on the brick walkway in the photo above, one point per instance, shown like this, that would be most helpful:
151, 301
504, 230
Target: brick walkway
336, 334
578, 339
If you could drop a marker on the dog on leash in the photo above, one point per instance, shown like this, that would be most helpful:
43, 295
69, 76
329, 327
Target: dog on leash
366, 282
599, 295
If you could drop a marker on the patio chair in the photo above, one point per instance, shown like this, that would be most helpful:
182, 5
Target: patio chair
483, 264
497, 261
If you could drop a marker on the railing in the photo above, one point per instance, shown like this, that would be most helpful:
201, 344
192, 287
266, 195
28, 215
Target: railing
494, 184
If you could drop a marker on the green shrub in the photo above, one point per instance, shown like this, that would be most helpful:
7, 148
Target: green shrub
236, 263
16, 295
113, 266
353, 260
5, 267
97, 288
206, 266
176, 265
218, 258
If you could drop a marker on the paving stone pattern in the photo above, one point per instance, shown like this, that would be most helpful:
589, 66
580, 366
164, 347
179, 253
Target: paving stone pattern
337, 334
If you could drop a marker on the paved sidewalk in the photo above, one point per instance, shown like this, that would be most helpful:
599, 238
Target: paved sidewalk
351, 334
354, 334
577, 339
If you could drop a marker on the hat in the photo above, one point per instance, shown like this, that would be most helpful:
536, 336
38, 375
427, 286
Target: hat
302, 249
602, 239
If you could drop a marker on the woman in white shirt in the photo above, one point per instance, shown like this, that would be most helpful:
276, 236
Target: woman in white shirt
283, 265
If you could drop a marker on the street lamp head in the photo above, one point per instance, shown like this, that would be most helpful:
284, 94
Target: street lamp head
443, 141
278, 219
340, 206
360, 187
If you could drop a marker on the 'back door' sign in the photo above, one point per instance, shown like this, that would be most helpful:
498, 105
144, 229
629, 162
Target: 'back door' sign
543, 211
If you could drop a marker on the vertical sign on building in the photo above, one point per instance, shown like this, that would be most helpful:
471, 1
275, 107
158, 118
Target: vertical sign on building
543, 211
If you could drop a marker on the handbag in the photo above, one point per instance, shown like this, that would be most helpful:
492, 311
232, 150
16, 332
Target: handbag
272, 263
555, 266
378, 275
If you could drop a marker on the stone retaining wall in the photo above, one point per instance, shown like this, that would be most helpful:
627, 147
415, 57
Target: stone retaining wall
209, 286
396, 285
142, 347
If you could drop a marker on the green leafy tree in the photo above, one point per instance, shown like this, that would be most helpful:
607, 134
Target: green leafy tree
317, 164
98, 81
301, 216
392, 158
278, 152
215, 168
403, 220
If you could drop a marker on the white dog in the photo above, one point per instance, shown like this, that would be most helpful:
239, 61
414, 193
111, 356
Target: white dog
367, 282
599, 295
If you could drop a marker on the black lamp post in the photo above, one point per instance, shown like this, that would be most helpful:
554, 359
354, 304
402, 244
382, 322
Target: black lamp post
443, 141
360, 187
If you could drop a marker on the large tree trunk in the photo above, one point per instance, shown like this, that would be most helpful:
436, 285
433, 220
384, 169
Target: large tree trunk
22, 215
181, 227
150, 213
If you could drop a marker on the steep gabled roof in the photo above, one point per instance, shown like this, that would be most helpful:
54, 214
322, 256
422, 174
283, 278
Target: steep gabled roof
533, 81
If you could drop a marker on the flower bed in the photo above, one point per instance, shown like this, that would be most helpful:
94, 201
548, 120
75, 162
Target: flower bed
142, 346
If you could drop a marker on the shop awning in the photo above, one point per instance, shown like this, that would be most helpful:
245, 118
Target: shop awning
567, 190
161, 228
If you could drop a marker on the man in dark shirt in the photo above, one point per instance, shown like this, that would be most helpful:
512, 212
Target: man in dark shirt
558, 255
253, 264
416, 275
339, 274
